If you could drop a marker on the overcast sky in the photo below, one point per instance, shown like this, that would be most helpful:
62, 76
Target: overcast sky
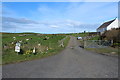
56, 17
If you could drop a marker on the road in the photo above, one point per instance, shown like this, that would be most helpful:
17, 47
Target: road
72, 62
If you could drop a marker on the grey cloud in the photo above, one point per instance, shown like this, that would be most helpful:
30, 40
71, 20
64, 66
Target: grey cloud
9, 23
88, 27
12, 24
16, 20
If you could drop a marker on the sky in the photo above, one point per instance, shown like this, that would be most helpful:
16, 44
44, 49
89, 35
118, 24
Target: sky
56, 17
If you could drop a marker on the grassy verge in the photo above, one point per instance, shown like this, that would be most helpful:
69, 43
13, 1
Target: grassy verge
10, 56
108, 50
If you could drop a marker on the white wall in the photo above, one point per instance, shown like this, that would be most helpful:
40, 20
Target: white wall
114, 24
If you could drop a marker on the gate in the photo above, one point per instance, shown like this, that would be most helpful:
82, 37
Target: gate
97, 43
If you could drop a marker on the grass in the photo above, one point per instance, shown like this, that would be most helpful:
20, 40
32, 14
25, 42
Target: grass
10, 56
95, 38
80, 34
103, 50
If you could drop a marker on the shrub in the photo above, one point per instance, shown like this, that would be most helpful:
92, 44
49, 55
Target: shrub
113, 34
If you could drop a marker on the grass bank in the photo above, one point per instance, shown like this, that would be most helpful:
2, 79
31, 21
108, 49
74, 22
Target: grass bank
46, 45
109, 50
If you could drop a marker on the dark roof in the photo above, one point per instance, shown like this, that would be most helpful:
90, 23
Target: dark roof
106, 24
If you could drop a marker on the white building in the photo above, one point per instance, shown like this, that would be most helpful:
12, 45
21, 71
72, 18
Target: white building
108, 25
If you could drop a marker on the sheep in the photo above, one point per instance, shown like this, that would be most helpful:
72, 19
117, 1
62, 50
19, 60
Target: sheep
27, 39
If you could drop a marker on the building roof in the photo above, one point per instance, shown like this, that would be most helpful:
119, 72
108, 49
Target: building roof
106, 24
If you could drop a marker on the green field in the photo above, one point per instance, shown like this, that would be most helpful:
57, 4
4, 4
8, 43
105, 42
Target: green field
45, 45
80, 34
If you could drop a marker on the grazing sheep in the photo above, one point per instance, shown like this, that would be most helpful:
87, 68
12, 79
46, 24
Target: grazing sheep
39, 44
46, 38
20, 41
27, 39
12, 43
14, 37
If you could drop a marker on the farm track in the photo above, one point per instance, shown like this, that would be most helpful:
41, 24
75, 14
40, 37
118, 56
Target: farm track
72, 62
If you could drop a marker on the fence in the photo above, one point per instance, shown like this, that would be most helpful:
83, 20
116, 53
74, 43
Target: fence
96, 43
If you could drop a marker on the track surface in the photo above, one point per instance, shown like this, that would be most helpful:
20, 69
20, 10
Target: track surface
73, 62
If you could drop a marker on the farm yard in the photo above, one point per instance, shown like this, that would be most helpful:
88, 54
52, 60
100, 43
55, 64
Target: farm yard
43, 45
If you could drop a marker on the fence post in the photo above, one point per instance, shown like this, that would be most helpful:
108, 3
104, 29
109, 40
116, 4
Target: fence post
84, 44
111, 42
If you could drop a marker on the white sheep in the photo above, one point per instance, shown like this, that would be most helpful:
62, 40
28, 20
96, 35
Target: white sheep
39, 44
14, 37
27, 39
20, 41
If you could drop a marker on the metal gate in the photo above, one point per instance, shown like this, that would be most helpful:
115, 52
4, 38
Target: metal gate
97, 43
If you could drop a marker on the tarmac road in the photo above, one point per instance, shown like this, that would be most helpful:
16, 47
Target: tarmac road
72, 62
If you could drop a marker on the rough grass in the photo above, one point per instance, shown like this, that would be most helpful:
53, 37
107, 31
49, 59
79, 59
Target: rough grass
10, 56
95, 38
80, 34
103, 50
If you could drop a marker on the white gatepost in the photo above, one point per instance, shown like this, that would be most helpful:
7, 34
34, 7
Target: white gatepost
17, 47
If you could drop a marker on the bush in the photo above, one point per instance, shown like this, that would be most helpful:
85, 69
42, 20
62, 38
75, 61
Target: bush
113, 34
